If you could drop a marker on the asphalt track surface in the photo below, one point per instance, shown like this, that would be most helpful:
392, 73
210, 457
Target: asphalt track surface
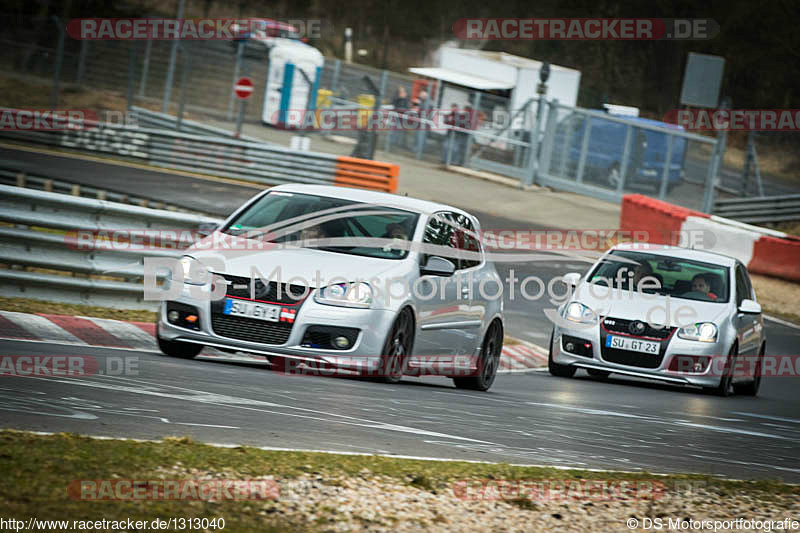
530, 418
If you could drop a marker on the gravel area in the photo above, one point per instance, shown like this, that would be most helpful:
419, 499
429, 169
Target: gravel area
370, 502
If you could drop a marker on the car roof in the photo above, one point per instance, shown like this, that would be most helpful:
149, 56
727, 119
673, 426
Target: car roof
679, 252
362, 195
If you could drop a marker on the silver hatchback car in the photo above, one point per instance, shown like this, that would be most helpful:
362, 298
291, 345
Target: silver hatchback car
660, 312
370, 282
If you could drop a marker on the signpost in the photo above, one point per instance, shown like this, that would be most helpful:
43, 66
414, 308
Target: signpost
243, 89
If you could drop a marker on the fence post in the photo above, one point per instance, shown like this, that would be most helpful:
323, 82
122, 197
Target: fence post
145, 67
336, 70
187, 67
237, 67
468, 149
546, 153
587, 131
171, 69
82, 62
626, 156
662, 193
59, 61
131, 76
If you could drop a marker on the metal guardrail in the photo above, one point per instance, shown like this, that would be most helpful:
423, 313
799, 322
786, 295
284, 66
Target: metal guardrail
23, 179
144, 118
761, 209
256, 162
52, 263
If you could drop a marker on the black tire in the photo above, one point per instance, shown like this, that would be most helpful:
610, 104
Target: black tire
724, 388
751, 389
397, 348
598, 373
184, 350
491, 348
561, 371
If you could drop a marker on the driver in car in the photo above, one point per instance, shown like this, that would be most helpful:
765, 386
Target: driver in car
701, 284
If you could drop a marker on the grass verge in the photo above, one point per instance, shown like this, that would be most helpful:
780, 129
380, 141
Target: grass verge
26, 305
39, 468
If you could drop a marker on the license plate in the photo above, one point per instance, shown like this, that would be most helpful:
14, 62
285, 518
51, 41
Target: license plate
634, 345
270, 313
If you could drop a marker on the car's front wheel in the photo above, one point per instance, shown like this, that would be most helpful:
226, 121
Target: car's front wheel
397, 348
561, 371
184, 350
751, 389
491, 348
725, 381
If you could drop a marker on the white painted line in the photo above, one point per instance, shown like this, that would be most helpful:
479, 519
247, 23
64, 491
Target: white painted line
782, 322
41, 327
124, 331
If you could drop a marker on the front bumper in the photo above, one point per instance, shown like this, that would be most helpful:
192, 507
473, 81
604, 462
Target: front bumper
675, 346
364, 355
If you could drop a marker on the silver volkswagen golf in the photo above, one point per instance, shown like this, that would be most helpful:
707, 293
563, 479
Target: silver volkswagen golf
322, 275
660, 312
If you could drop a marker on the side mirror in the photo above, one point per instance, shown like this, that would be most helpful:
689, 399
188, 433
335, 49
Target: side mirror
749, 307
438, 266
571, 279
207, 228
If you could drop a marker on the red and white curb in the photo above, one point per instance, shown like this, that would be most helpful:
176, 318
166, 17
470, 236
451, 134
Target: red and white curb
119, 334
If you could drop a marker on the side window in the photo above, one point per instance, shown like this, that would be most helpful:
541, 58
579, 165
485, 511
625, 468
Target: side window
465, 239
742, 288
439, 231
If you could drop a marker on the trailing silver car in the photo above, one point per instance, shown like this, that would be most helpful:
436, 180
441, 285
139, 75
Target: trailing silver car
671, 314
372, 282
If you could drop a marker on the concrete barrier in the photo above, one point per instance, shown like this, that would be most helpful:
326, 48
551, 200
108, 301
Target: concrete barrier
763, 250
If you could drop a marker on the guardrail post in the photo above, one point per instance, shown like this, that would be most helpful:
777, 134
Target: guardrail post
76, 190
47, 185
187, 66
131, 76
21, 179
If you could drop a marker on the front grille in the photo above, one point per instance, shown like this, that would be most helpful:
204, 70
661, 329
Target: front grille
621, 325
239, 287
250, 329
628, 358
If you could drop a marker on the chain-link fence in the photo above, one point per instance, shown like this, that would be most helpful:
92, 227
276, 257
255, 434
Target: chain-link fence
586, 151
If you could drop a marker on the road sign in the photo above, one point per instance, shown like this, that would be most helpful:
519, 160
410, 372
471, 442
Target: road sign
702, 80
243, 88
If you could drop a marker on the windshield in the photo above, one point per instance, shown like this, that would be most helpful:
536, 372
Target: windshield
284, 217
677, 277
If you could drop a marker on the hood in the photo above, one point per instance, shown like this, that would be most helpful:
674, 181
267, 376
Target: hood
635, 306
315, 267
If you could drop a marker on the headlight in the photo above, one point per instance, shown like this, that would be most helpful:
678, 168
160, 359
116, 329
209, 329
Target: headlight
345, 295
193, 271
577, 312
702, 331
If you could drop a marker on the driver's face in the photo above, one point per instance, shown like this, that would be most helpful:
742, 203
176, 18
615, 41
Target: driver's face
700, 285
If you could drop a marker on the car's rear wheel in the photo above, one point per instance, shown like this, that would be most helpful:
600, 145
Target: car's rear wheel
491, 348
184, 350
397, 349
561, 371
751, 389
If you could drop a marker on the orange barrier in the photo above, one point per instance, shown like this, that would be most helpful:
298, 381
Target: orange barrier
366, 174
